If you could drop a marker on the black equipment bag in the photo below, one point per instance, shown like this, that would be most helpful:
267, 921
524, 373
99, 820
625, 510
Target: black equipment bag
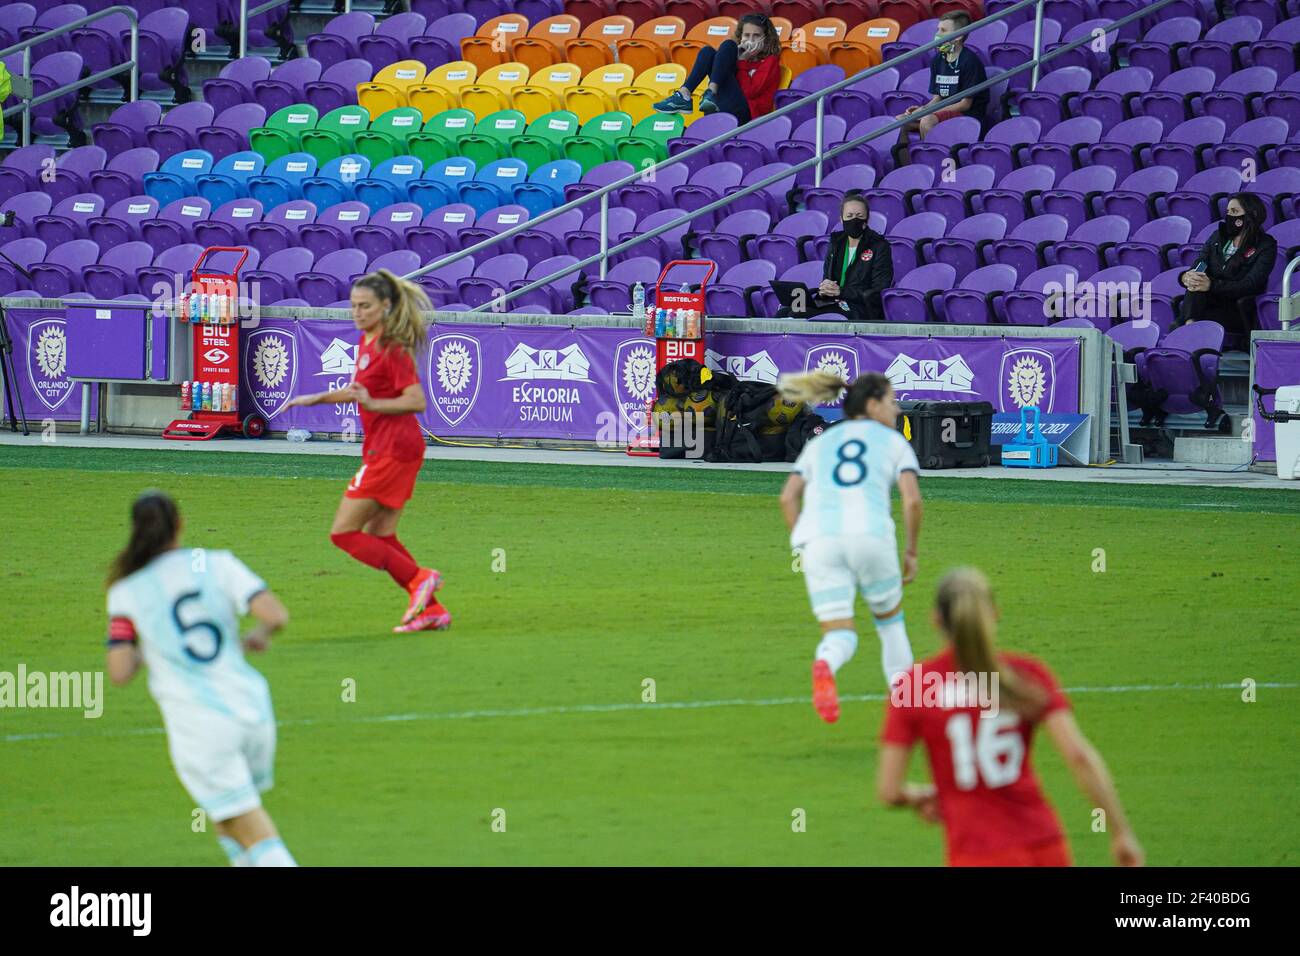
948, 434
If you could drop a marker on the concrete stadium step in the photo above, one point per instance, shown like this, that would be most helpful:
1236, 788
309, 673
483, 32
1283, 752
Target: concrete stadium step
1217, 450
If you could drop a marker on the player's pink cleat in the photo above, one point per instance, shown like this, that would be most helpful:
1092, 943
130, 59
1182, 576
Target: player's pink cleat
422, 587
825, 698
435, 618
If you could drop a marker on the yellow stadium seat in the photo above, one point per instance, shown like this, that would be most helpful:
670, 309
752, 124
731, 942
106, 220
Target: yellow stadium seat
596, 47
649, 88
431, 100
559, 77
388, 90
535, 101
452, 76
786, 78
494, 88
708, 32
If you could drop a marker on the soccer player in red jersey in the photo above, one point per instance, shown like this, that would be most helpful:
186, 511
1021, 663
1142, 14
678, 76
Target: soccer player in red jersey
387, 310
977, 734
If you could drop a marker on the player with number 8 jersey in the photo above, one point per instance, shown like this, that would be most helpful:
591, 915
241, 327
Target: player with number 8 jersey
837, 506
975, 711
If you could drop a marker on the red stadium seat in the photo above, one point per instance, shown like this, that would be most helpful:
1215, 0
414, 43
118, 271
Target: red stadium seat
908, 13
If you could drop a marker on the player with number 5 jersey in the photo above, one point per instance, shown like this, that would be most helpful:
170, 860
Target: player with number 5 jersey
975, 711
389, 312
177, 613
837, 506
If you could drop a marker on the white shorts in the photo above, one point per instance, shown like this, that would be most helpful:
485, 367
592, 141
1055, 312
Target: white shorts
837, 568
223, 763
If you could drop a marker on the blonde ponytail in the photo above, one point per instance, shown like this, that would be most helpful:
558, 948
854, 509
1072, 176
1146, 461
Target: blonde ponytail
969, 616
811, 388
405, 325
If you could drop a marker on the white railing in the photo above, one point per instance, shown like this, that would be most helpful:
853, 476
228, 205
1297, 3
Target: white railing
1284, 308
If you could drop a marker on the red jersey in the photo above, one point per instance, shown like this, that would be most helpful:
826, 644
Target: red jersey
387, 373
989, 798
758, 80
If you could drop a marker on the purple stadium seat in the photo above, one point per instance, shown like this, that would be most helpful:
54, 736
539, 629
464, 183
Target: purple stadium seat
278, 273
493, 277
951, 199
1138, 195
1155, 51
391, 40
399, 262
234, 84
585, 242
164, 41
971, 303
17, 16
893, 195
961, 247
1001, 143
1247, 143
1181, 375
338, 41
826, 197
1119, 146
331, 277
228, 133
541, 241
1146, 250
228, 225
287, 84
333, 227
174, 224
863, 99
756, 146
556, 298
171, 268
126, 127
100, 46
386, 228
1231, 100
1111, 100
69, 219
115, 273
732, 294
179, 129
1220, 49
51, 18
26, 207
650, 196
944, 142
1018, 48
61, 115
911, 298
807, 82
1176, 97
786, 245
708, 185
439, 232
1024, 249
72, 171
1277, 49
1083, 247
1281, 189
668, 245
1057, 146
725, 245
1028, 303
279, 227
1182, 146
24, 252
494, 222
1074, 195
121, 222
440, 42
337, 85
905, 238
1202, 198
1011, 196
124, 174
62, 269
1052, 100
774, 198
21, 170
701, 131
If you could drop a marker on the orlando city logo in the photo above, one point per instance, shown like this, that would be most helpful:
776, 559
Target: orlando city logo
455, 371
271, 369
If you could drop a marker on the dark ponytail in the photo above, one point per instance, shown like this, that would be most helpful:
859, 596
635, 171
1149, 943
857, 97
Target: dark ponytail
154, 524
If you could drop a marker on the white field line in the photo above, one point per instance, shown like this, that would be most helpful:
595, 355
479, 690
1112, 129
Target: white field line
618, 708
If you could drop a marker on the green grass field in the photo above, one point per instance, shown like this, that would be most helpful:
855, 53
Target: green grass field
532, 703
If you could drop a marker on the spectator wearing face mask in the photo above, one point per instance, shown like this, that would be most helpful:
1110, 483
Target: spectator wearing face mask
1233, 268
743, 73
954, 68
858, 265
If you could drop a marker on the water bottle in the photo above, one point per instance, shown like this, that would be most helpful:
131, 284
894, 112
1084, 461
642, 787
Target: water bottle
660, 324
638, 303
298, 435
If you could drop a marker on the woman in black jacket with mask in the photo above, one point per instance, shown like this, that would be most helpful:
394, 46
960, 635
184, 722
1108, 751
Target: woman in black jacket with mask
1233, 268
858, 265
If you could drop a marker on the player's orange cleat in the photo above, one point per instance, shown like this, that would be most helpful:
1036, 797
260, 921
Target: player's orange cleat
422, 587
825, 699
435, 618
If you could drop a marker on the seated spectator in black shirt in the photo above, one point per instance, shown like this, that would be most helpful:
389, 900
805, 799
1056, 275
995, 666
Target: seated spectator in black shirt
1233, 268
858, 265
954, 68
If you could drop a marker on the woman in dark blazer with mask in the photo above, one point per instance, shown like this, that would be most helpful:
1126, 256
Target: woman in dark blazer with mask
858, 265
1233, 268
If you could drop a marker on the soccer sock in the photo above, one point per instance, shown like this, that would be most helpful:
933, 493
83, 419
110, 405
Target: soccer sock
392, 542
895, 650
373, 551
234, 851
837, 648
270, 852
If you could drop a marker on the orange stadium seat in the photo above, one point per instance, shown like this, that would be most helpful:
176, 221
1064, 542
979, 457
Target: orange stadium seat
648, 45
490, 45
809, 45
596, 46
860, 48
544, 44
708, 32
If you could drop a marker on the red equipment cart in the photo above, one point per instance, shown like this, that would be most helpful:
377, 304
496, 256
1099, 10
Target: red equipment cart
211, 309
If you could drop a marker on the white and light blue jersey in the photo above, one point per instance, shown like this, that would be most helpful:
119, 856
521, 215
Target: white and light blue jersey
183, 610
849, 472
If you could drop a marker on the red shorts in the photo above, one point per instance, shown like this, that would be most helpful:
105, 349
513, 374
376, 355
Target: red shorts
389, 481
942, 115
1053, 853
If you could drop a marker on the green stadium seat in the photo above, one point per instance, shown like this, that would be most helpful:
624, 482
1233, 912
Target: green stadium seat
648, 143
387, 135
440, 135
335, 134
596, 143
490, 139
543, 141
282, 133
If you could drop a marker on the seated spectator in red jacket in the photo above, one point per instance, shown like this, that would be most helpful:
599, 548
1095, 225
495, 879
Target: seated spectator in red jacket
743, 73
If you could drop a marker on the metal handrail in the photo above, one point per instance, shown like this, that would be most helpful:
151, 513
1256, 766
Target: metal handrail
1284, 306
26, 46
776, 177
245, 13
818, 96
